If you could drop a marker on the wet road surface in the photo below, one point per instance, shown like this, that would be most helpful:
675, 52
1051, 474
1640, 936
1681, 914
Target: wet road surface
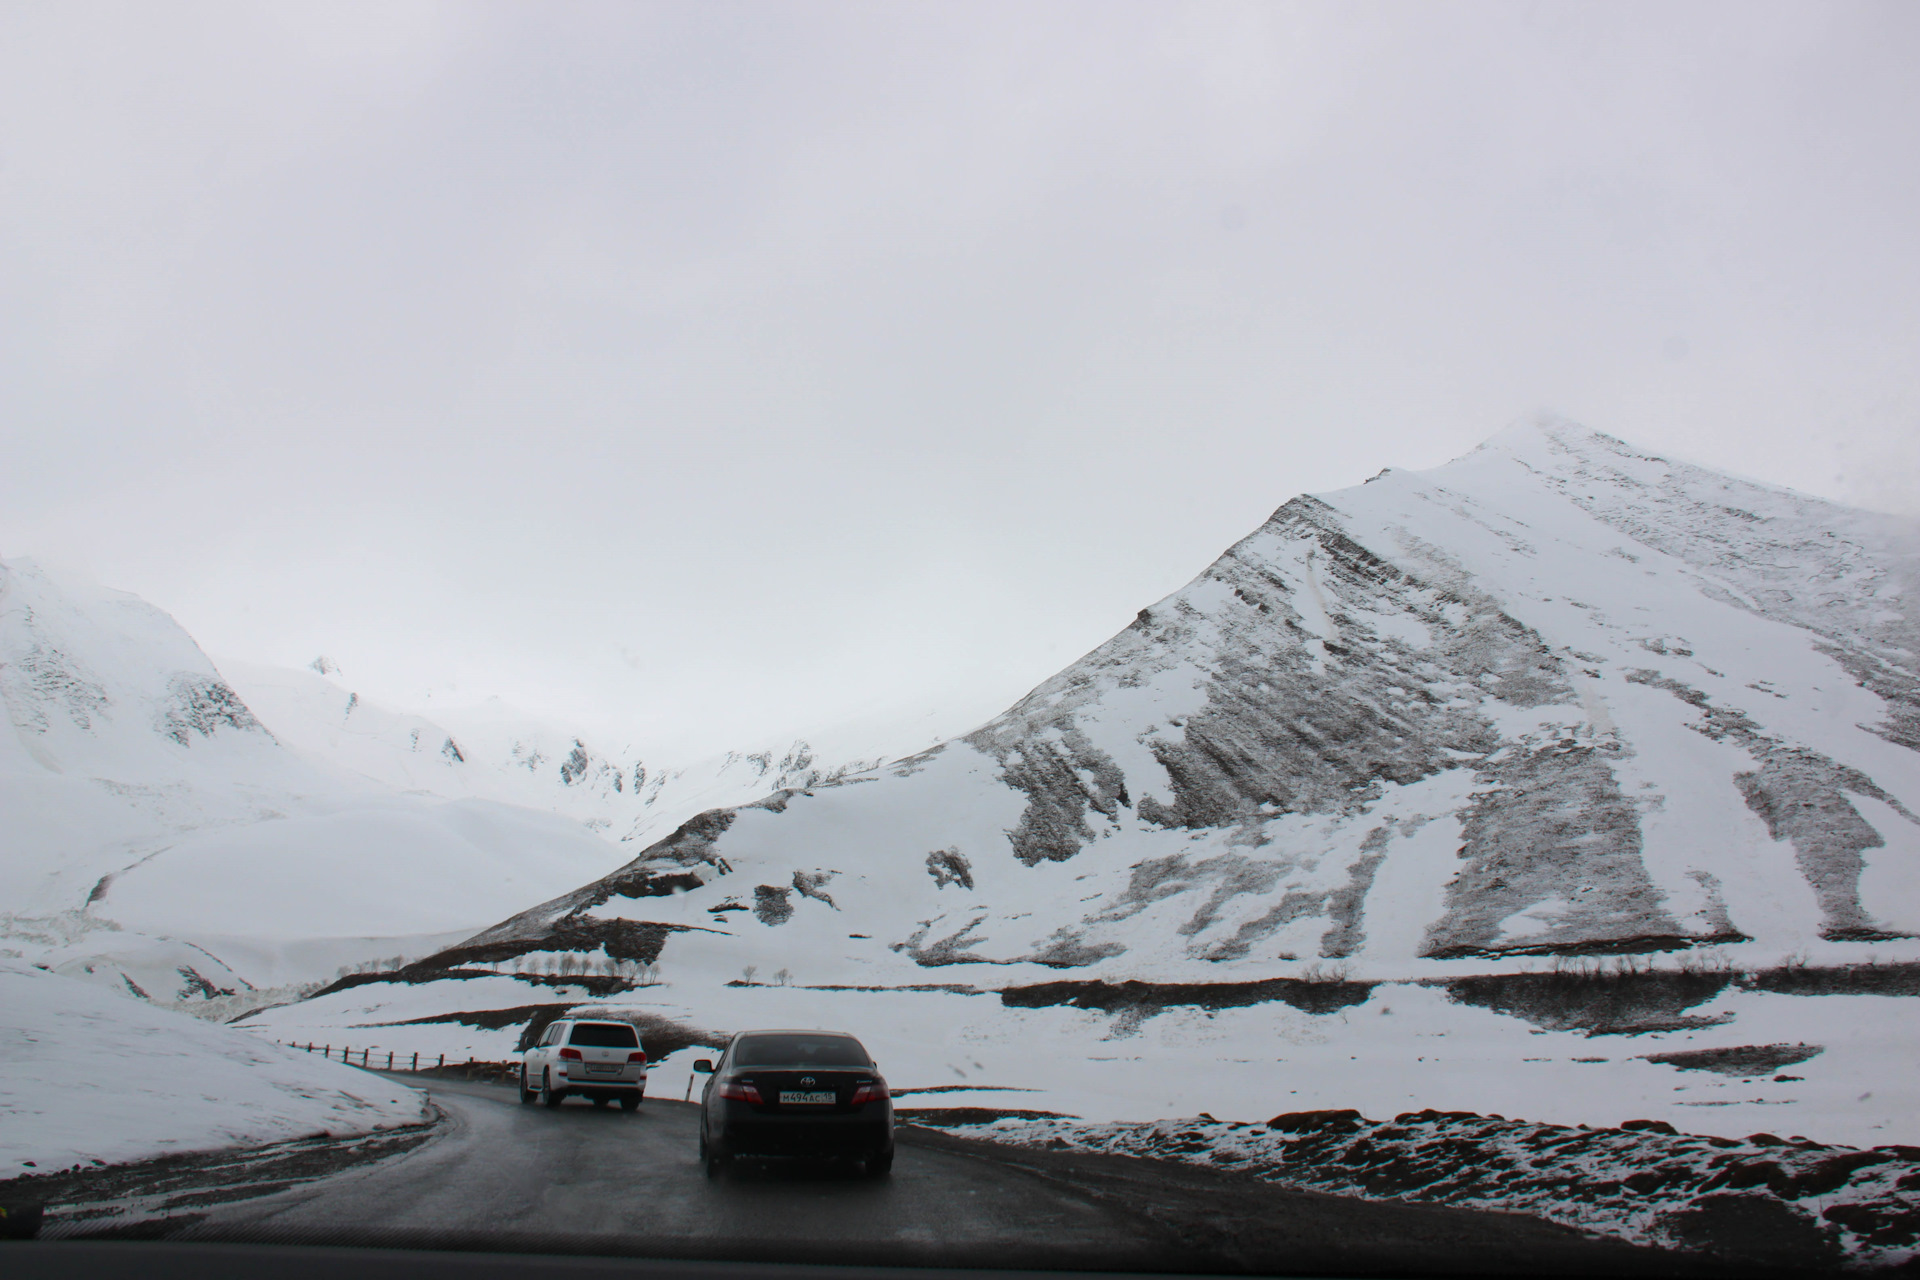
528, 1176
500, 1179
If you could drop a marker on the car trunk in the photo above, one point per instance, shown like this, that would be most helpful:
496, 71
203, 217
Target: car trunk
806, 1090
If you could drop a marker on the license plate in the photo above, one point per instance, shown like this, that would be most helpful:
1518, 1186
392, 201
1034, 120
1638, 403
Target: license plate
603, 1071
807, 1097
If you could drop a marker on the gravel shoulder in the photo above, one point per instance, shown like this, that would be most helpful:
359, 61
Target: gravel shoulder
1231, 1223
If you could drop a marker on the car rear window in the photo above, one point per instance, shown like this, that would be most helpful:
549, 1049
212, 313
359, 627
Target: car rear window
800, 1051
605, 1035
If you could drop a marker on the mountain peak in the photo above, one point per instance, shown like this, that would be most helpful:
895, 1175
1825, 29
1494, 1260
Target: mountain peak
1538, 437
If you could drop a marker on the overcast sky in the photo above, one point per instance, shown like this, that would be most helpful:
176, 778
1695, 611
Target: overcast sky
703, 373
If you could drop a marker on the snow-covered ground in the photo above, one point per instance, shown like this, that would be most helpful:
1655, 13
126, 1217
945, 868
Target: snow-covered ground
1845, 1074
88, 1077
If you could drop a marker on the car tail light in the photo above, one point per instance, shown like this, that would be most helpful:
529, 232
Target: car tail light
874, 1092
571, 1055
740, 1092
640, 1058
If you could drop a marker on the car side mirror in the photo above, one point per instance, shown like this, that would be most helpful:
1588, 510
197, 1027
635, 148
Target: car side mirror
703, 1067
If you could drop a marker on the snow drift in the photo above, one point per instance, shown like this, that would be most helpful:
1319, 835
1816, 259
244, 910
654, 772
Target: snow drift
89, 1077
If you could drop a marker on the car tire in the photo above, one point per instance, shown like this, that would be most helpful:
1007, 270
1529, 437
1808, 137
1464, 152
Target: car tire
551, 1096
526, 1095
880, 1165
630, 1103
710, 1160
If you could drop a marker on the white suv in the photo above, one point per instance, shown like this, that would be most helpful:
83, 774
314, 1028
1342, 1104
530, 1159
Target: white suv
597, 1060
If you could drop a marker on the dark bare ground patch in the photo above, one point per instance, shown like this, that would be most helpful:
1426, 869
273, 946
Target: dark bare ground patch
595, 984
944, 1117
660, 1036
1846, 980
1147, 998
1597, 1003
151, 1198
952, 988
1740, 1060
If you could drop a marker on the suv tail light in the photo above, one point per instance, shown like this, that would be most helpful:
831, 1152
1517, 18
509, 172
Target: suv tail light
641, 1058
873, 1092
738, 1091
571, 1055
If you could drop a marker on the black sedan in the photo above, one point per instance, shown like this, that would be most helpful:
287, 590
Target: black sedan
810, 1094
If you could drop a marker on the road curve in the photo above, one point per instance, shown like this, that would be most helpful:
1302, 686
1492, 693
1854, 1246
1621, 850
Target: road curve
581, 1178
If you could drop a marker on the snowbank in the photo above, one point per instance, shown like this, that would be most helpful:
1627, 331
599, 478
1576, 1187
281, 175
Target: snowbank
90, 1077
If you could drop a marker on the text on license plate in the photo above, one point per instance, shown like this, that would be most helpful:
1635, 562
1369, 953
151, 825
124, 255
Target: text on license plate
790, 1097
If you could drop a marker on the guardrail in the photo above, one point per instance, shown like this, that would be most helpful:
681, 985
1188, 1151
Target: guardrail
371, 1057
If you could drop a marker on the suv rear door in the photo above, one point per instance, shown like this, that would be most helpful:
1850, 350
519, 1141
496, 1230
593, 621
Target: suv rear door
605, 1048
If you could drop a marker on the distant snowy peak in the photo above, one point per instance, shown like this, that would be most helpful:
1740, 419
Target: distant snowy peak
501, 755
1558, 696
88, 674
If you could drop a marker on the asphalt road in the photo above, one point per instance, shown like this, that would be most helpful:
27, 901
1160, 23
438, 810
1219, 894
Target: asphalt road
581, 1177
502, 1178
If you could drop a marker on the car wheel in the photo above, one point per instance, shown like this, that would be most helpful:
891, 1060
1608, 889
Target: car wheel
710, 1160
552, 1096
526, 1095
630, 1102
879, 1166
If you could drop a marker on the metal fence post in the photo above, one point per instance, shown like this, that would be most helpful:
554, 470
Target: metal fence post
416, 1063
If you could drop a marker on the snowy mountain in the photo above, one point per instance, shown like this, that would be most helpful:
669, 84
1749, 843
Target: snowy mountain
1559, 699
1555, 697
160, 840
